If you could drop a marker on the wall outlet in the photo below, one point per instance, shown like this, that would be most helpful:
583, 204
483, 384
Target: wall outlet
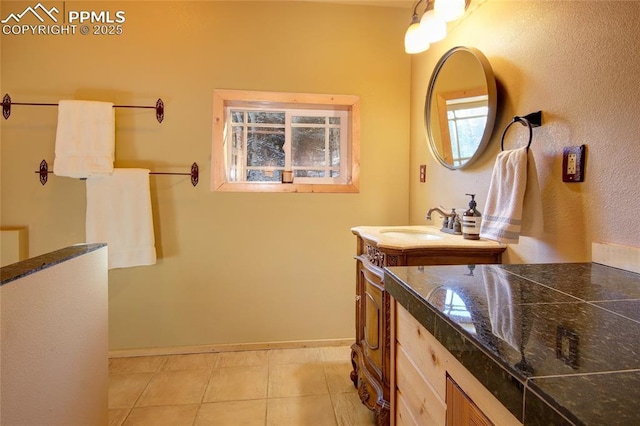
573, 158
571, 164
423, 173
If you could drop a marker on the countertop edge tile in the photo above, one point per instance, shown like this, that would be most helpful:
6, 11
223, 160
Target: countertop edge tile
29, 266
535, 401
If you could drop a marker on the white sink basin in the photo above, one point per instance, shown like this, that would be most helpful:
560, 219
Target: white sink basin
415, 236
410, 234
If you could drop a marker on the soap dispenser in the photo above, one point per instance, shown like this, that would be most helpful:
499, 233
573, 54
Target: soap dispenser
471, 220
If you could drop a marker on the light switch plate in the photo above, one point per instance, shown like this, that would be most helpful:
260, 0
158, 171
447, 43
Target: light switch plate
573, 158
423, 173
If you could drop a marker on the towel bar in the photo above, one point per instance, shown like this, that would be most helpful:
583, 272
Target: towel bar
6, 107
194, 173
531, 120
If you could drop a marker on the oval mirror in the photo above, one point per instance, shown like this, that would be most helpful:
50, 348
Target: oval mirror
460, 107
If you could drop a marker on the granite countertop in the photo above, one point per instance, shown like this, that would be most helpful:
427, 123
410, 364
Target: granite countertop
557, 344
26, 267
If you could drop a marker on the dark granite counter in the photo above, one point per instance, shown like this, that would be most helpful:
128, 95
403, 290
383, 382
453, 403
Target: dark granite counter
557, 344
26, 267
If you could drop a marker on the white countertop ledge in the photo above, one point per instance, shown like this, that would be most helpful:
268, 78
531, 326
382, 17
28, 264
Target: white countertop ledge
418, 236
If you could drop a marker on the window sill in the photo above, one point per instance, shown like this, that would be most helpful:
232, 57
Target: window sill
287, 187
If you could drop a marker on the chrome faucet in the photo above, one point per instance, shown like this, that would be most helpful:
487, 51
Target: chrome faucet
450, 222
436, 209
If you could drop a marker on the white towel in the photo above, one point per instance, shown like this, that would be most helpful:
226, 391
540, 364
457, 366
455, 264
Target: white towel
119, 214
85, 139
514, 203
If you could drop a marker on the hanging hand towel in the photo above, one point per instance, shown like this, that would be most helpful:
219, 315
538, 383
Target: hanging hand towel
119, 214
85, 139
514, 204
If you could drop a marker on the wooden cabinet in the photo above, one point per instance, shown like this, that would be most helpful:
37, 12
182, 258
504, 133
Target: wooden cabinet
371, 353
430, 386
461, 411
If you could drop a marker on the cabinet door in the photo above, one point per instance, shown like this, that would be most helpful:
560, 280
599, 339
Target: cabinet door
461, 411
373, 315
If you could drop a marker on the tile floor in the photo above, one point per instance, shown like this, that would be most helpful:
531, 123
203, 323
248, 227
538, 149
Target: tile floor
279, 387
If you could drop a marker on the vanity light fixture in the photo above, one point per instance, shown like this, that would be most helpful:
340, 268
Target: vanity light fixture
432, 27
414, 41
450, 10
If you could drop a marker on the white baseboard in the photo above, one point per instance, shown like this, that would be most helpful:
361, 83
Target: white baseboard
617, 256
234, 347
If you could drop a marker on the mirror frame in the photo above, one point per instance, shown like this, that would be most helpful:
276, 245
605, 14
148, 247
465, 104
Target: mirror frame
492, 104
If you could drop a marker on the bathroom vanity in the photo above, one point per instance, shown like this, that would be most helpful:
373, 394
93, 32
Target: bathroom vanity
379, 247
552, 344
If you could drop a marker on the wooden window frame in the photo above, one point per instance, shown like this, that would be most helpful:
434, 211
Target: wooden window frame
443, 119
223, 98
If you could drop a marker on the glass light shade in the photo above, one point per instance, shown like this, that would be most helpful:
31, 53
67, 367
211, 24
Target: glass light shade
432, 27
449, 10
415, 40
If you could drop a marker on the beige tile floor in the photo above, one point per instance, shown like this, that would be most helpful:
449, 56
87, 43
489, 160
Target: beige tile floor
279, 387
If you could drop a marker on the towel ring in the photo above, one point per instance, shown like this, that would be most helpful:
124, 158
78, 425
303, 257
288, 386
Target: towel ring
530, 120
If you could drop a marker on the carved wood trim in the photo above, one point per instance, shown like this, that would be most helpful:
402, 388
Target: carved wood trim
392, 260
375, 256
354, 363
363, 392
382, 415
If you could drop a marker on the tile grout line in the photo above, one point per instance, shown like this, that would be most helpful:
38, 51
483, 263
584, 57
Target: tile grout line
326, 382
154, 373
204, 392
266, 405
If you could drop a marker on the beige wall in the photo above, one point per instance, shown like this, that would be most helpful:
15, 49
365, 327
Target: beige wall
578, 62
14, 245
240, 268
54, 345
233, 267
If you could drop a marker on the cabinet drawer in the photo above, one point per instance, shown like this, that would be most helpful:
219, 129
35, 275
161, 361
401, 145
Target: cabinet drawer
372, 273
428, 355
423, 403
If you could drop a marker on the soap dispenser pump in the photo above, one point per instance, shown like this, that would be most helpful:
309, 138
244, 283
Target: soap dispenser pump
471, 220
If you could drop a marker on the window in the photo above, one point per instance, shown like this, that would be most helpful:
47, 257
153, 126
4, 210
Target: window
279, 142
463, 117
467, 119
